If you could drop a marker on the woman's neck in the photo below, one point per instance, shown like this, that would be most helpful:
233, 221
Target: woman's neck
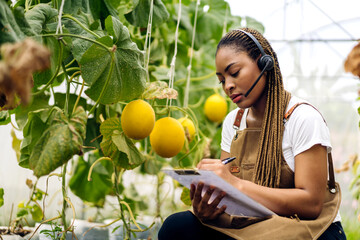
256, 113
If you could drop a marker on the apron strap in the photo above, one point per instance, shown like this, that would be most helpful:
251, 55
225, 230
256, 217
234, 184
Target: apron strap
238, 118
331, 183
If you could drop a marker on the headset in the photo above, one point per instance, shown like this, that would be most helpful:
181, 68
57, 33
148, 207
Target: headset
265, 62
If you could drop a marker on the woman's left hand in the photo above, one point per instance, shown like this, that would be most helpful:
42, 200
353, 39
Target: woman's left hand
202, 208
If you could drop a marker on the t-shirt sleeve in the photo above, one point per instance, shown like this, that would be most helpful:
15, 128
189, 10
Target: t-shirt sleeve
307, 128
228, 131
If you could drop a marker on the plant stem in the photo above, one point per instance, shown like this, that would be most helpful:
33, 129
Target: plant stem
77, 36
56, 71
127, 228
158, 205
80, 24
63, 214
67, 96
106, 83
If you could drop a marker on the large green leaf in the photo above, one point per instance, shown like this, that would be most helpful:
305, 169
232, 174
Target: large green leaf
9, 29
39, 16
118, 146
128, 77
35, 125
93, 191
79, 45
22, 22
59, 142
139, 17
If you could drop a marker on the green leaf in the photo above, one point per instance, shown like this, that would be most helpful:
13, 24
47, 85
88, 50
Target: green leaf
74, 6
16, 144
117, 146
80, 46
185, 196
128, 77
38, 102
95, 190
92, 138
124, 144
60, 141
139, 17
4, 117
43, 77
36, 213
60, 100
113, 27
1, 197
101, 9
22, 212
39, 16
9, 30
22, 22
33, 129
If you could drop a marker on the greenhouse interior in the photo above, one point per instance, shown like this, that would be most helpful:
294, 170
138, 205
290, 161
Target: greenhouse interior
110, 111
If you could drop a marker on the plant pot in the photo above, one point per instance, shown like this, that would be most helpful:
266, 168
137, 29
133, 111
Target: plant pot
25, 233
85, 230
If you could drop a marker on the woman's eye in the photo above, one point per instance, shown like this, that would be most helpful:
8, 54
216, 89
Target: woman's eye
235, 74
221, 81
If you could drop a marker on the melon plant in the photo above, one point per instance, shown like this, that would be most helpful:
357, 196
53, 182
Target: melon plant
104, 56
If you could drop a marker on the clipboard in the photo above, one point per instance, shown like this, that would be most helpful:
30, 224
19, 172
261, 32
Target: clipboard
237, 202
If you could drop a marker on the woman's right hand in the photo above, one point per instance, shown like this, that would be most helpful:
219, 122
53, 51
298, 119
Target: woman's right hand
204, 210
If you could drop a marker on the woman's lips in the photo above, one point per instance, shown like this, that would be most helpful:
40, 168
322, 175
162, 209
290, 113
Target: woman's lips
236, 97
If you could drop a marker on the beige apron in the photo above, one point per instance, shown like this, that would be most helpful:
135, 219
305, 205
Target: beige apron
245, 147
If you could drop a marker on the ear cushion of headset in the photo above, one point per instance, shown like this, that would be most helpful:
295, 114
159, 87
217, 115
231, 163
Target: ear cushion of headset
263, 60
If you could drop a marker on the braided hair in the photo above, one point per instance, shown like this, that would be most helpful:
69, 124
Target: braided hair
268, 165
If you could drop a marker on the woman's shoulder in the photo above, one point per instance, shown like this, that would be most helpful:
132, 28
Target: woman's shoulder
230, 117
304, 110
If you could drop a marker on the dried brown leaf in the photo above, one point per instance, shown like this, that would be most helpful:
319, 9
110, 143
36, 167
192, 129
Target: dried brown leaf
159, 90
20, 61
352, 63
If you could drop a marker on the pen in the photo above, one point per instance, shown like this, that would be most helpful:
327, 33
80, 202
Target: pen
228, 160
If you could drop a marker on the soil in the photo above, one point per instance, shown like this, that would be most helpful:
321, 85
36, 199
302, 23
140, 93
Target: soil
21, 232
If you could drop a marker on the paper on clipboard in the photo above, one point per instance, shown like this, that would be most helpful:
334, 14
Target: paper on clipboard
237, 202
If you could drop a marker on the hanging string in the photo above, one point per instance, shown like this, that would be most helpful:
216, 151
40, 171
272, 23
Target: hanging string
171, 72
186, 97
148, 41
59, 28
225, 20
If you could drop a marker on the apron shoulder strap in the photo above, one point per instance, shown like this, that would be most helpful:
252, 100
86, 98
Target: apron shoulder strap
331, 183
238, 118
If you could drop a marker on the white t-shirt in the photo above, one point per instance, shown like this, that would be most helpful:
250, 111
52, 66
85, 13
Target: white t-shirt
304, 129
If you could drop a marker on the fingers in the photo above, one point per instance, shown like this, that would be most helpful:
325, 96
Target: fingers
192, 191
206, 162
201, 206
217, 200
198, 191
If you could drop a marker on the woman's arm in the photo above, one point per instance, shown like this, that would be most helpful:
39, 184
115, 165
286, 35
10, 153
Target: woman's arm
305, 200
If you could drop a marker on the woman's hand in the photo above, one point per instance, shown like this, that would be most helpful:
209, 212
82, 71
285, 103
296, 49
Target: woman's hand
202, 208
217, 167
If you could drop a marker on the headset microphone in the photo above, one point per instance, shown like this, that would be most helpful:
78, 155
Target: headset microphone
257, 80
265, 62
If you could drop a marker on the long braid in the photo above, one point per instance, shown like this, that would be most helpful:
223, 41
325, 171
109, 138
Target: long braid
268, 166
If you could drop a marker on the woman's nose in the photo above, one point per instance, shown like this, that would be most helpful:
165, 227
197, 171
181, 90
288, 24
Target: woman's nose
229, 85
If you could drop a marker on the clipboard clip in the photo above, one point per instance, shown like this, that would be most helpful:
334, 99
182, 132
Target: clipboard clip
186, 172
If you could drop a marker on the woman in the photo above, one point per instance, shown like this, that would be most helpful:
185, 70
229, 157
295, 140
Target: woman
281, 161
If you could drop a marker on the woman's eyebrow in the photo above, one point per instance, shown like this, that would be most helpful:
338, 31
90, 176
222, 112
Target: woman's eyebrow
227, 68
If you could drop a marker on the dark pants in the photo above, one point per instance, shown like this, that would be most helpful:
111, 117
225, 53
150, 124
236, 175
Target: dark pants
184, 225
